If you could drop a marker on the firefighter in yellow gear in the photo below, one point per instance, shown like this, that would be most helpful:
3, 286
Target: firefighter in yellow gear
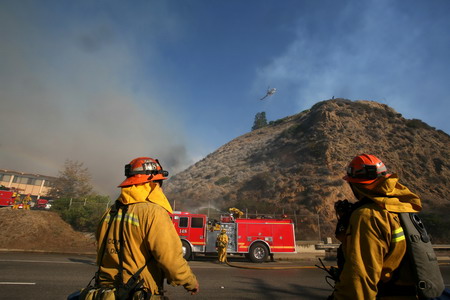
236, 212
373, 241
17, 201
26, 202
150, 239
222, 244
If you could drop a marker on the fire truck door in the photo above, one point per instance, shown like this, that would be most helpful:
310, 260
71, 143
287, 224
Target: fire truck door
197, 231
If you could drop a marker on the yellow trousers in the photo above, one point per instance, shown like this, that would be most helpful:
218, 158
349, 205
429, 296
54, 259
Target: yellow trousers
222, 253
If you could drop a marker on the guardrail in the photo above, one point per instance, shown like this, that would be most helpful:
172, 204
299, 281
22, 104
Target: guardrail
326, 246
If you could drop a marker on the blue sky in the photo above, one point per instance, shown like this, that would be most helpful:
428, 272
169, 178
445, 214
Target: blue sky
102, 82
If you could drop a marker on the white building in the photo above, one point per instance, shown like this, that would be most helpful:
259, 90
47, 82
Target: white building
25, 183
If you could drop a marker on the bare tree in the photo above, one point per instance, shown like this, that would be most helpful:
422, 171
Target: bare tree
73, 182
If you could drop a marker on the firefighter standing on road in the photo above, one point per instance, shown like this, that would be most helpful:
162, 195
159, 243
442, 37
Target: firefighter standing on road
26, 202
17, 201
222, 244
373, 242
150, 238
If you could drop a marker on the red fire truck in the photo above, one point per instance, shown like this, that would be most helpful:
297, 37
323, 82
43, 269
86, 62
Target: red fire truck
6, 198
254, 238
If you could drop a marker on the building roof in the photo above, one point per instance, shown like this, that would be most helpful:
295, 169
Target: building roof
11, 172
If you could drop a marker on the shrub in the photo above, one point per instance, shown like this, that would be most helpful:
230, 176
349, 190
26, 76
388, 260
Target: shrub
82, 214
223, 180
416, 124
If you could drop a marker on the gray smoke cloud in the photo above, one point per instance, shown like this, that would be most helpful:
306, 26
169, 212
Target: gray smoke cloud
72, 94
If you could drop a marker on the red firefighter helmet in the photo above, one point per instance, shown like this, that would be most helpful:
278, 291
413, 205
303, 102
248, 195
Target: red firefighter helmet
365, 168
142, 170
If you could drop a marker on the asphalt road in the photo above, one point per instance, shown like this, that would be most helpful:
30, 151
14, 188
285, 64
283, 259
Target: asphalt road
54, 276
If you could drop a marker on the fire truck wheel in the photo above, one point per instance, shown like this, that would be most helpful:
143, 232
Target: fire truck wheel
187, 253
258, 253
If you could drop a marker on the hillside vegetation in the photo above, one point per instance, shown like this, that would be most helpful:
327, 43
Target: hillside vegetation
295, 165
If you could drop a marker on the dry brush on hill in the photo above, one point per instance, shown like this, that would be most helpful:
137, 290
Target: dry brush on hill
295, 165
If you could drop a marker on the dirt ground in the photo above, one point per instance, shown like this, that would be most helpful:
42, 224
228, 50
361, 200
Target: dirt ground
36, 230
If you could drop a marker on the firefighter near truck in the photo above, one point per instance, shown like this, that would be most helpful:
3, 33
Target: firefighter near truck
257, 239
8, 197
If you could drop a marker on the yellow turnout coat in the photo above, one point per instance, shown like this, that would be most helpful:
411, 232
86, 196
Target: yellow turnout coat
150, 240
374, 243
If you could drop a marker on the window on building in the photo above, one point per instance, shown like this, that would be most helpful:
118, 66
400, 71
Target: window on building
31, 181
4, 177
20, 179
38, 182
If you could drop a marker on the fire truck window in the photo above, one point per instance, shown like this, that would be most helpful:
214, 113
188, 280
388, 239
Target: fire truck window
197, 223
183, 222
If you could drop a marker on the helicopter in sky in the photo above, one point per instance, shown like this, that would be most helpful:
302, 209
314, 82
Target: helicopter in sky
270, 92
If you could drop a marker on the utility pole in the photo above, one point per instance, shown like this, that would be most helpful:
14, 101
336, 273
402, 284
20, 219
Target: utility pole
318, 225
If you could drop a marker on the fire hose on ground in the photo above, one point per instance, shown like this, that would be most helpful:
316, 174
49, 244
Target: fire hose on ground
268, 268
288, 267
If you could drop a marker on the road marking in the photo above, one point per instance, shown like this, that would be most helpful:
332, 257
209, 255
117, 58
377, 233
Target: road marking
18, 283
48, 261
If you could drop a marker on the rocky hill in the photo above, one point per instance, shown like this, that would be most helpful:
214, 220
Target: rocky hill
295, 165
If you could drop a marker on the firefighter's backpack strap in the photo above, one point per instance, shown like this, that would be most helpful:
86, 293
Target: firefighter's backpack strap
429, 282
121, 291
